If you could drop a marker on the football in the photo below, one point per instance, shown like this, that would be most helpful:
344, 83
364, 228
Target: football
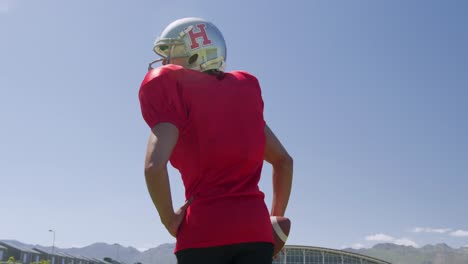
281, 226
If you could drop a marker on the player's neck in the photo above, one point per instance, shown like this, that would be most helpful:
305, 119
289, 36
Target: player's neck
216, 73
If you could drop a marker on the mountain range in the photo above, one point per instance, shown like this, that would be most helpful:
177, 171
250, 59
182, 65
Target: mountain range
163, 254
429, 254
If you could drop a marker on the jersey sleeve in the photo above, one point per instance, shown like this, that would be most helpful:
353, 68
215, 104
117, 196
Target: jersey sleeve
161, 100
260, 99
257, 92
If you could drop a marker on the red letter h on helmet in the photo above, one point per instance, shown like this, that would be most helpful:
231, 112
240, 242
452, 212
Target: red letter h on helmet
201, 34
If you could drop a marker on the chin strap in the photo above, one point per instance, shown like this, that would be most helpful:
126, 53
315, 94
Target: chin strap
150, 65
208, 65
202, 67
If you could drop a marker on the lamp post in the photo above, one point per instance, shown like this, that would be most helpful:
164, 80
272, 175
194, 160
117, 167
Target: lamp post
117, 247
53, 243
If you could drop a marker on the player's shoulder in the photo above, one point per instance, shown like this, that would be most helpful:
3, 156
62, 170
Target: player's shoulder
166, 73
247, 78
244, 75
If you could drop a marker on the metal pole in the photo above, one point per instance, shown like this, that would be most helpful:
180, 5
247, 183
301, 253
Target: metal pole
117, 256
53, 244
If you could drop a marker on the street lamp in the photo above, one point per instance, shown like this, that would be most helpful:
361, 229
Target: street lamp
117, 257
53, 241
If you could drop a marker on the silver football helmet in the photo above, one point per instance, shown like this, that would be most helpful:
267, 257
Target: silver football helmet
193, 43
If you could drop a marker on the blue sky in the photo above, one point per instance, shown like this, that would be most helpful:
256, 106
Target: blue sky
369, 97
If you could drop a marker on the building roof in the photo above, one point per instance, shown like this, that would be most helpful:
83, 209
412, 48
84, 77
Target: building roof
78, 257
42, 251
70, 255
61, 254
336, 251
98, 260
18, 247
56, 253
87, 258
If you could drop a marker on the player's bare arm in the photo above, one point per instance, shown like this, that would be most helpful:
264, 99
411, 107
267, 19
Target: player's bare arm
282, 164
161, 143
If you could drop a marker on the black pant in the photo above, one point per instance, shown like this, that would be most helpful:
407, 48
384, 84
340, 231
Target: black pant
245, 253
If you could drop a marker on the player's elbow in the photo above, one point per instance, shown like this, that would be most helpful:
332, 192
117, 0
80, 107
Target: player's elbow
155, 168
288, 161
284, 161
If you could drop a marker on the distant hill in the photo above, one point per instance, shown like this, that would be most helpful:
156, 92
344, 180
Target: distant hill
163, 254
96, 250
429, 254
102, 250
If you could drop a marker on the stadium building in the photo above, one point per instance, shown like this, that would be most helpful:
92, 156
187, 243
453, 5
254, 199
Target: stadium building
317, 255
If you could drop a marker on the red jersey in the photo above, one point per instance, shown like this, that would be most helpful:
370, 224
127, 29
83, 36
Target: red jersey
219, 152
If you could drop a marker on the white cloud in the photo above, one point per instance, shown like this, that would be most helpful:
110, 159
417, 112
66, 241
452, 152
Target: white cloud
459, 233
431, 230
145, 246
357, 246
77, 246
440, 230
354, 246
380, 237
405, 242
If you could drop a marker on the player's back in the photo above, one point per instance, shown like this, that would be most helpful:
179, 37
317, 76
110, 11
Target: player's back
225, 131
219, 153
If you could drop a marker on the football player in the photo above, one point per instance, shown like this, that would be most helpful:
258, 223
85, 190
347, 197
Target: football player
209, 124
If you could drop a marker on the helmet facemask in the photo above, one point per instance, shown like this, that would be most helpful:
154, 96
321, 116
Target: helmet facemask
169, 49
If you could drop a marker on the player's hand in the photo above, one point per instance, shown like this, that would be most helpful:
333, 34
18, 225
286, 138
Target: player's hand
275, 257
176, 220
